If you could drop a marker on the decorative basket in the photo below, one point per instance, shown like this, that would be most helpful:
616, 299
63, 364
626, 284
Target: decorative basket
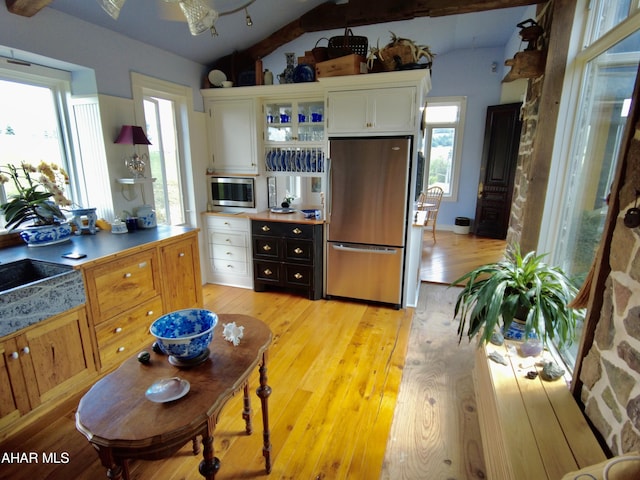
393, 57
320, 53
347, 44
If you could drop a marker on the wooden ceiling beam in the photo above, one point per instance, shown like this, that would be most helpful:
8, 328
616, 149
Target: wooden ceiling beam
26, 8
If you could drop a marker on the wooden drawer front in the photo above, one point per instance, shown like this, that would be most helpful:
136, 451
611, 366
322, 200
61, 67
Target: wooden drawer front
295, 230
298, 275
299, 251
120, 337
222, 252
267, 271
266, 247
229, 266
228, 238
227, 223
123, 284
282, 229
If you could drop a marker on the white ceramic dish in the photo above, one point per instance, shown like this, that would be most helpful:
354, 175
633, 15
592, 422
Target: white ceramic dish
167, 390
216, 77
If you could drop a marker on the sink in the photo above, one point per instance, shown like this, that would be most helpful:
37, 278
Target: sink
24, 272
34, 290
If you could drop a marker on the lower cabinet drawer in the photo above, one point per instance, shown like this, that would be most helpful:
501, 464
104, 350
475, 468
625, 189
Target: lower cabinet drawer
120, 337
228, 238
229, 266
267, 271
298, 275
222, 252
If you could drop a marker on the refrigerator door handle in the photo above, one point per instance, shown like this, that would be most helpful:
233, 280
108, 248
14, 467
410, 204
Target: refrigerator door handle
329, 190
378, 250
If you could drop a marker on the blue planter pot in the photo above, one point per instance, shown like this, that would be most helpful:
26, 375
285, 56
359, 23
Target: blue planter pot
516, 331
42, 235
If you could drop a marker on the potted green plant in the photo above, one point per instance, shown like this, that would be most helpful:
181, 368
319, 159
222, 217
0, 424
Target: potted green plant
36, 201
518, 288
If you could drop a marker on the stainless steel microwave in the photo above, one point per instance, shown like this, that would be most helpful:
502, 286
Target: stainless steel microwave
232, 192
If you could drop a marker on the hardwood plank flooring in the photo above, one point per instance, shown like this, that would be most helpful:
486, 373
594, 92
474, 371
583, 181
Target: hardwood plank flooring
453, 255
335, 369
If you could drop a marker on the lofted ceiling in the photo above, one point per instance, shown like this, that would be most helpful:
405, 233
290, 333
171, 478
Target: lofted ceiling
276, 22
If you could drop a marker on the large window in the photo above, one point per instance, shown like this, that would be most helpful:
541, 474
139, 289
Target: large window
163, 108
443, 120
585, 163
32, 120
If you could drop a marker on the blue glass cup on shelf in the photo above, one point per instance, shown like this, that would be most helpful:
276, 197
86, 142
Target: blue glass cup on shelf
269, 118
302, 118
284, 118
316, 117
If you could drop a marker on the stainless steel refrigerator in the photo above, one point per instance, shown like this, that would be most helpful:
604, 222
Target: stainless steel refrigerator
367, 217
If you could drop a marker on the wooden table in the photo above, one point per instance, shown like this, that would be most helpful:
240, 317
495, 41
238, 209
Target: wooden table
122, 424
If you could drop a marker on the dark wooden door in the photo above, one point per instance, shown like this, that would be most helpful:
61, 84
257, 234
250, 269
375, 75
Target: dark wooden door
497, 171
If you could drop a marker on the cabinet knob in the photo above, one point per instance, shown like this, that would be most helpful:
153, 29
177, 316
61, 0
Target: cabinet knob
118, 330
227, 223
230, 266
268, 272
15, 355
297, 231
228, 240
265, 228
181, 254
120, 349
298, 251
297, 276
26, 350
127, 275
266, 248
229, 253
149, 313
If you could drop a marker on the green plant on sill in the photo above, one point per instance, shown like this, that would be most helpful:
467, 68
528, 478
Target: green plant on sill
40, 194
522, 287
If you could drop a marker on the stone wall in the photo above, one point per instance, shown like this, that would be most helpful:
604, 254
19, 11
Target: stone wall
611, 370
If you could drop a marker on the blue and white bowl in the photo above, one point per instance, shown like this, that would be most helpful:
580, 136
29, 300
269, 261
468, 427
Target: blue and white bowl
184, 334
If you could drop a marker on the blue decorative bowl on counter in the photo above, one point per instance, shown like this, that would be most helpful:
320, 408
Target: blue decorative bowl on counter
185, 335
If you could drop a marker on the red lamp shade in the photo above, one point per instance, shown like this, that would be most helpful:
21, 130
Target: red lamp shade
132, 135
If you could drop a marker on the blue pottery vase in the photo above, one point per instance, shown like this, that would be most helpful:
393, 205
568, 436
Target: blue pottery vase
42, 235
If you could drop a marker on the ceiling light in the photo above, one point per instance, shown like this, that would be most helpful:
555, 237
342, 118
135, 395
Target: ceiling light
200, 16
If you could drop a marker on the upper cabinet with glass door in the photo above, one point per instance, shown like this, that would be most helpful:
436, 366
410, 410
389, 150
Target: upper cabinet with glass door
294, 136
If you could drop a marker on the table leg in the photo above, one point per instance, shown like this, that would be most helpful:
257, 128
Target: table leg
263, 392
114, 470
210, 465
246, 413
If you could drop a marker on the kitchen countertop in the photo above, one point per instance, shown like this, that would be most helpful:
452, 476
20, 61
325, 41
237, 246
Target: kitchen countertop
295, 217
96, 247
267, 215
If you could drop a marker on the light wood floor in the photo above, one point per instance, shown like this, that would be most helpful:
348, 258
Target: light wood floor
453, 255
335, 369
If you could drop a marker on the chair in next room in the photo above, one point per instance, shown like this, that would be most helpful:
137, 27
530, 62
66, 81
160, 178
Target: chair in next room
429, 201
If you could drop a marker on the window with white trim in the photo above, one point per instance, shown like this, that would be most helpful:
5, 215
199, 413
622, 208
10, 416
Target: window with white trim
32, 119
443, 122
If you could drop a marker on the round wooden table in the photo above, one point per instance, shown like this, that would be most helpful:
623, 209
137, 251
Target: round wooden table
122, 424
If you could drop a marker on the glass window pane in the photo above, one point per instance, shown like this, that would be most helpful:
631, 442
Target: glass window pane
442, 114
441, 158
608, 86
29, 127
606, 15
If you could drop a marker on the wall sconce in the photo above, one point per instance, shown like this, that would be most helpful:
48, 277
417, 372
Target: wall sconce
134, 135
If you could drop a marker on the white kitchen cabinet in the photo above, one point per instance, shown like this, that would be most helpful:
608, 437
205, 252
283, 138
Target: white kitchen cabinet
233, 135
229, 242
379, 110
